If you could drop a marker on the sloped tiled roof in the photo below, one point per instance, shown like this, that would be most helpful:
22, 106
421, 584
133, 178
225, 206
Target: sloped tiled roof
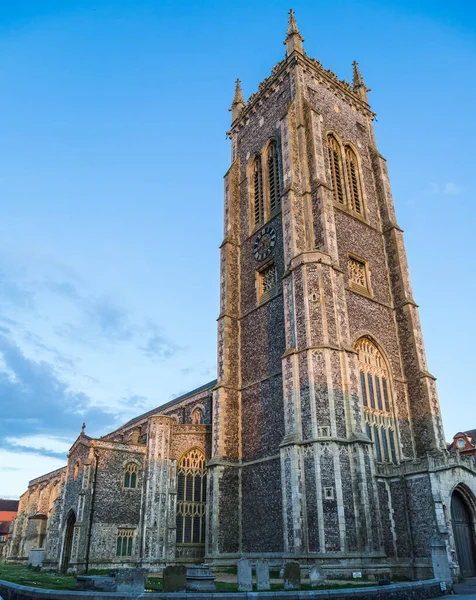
9, 505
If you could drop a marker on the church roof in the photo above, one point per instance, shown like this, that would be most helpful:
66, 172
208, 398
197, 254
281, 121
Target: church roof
210, 385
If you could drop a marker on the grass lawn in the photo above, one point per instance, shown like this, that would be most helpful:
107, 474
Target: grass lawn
32, 576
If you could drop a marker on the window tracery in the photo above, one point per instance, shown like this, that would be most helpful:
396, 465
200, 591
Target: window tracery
124, 542
345, 176
376, 400
267, 282
130, 475
191, 494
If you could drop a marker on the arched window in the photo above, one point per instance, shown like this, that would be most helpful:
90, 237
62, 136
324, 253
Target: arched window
76, 470
197, 416
335, 161
273, 177
191, 494
258, 199
376, 400
353, 180
130, 475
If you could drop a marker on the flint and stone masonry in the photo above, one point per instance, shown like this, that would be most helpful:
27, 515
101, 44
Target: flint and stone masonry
321, 440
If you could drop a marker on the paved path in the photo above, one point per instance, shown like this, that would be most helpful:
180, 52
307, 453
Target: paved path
466, 590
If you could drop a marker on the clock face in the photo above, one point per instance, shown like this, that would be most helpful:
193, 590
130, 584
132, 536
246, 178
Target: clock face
264, 243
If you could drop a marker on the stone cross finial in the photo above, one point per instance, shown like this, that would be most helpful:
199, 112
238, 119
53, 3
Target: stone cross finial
83, 427
238, 102
294, 38
358, 83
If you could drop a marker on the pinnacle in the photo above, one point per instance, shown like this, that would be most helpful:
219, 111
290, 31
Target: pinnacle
357, 79
292, 25
238, 102
358, 83
238, 98
294, 38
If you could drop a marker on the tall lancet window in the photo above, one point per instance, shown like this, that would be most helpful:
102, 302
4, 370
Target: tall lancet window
335, 161
191, 495
273, 177
258, 199
376, 400
353, 177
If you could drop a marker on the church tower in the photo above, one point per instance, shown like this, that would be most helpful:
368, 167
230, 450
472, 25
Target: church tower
322, 374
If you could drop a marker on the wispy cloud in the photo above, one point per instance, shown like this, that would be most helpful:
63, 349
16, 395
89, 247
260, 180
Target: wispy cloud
37, 403
450, 189
102, 318
158, 346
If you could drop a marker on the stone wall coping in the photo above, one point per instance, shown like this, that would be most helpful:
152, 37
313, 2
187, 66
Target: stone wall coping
13, 591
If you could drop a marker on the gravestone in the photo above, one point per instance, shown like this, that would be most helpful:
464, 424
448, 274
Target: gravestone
439, 559
292, 576
35, 558
316, 576
200, 579
245, 582
130, 580
95, 583
174, 578
262, 575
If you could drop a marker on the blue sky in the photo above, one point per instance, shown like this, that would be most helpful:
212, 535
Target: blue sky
113, 150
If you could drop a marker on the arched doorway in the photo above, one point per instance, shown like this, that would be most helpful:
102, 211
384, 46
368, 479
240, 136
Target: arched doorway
68, 540
190, 517
463, 531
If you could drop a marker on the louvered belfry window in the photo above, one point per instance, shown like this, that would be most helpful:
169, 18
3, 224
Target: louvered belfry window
258, 191
376, 400
191, 494
354, 180
273, 177
336, 169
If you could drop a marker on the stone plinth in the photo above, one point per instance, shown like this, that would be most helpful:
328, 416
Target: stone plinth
200, 579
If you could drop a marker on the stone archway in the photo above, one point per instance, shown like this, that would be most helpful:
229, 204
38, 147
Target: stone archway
463, 532
68, 540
